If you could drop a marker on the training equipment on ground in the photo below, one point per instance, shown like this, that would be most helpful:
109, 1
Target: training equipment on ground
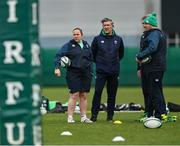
65, 61
168, 118
117, 122
173, 107
152, 123
118, 138
146, 60
66, 133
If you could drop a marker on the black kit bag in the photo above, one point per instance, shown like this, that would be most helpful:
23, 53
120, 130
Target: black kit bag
173, 107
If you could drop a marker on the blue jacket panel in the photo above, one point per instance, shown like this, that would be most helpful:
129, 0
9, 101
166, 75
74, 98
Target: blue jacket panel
153, 43
107, 53
80, 57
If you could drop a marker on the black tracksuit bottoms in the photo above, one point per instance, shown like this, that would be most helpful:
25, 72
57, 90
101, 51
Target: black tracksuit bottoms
154, 100
111, 86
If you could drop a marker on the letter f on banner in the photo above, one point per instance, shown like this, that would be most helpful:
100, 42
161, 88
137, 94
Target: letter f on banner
13, 89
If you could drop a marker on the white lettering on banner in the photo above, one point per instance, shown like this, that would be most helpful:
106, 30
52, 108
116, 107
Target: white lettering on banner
13, 49
36, 94
12, 11
35, 51
37, 135
10, 133
34, 14
13, 89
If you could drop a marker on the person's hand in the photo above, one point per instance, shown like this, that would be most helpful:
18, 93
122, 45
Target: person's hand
138, 61
57, 72
139, 73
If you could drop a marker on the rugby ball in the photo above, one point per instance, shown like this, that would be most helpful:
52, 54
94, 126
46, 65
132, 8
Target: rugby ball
152, 123
146, 60
65, 61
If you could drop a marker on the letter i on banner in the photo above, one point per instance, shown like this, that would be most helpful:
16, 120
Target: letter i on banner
20, 122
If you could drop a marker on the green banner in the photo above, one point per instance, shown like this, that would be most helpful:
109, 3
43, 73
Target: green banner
128, 73
20, 73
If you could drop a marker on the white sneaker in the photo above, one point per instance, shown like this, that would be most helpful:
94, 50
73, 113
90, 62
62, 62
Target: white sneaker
85, 120
70, 120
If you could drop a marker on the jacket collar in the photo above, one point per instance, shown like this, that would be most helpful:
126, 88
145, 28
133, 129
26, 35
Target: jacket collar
104, 34
156, 29
73, 41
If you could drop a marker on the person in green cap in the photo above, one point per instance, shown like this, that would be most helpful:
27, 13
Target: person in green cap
151, 61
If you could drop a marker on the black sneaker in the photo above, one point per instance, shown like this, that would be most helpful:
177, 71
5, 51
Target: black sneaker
109, 119
94, 119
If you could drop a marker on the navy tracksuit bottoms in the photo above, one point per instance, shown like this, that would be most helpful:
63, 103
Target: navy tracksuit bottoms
154, 100
111, 86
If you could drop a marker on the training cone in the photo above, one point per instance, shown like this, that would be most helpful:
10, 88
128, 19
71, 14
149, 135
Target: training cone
118, 138
66, 133
117, 122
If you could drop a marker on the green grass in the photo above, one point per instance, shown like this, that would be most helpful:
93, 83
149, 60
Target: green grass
102, 132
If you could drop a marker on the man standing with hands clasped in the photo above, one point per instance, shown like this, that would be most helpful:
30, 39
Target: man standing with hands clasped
151, 61
108, 50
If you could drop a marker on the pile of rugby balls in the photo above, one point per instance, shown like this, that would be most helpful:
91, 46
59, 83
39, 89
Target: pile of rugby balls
65, 61
152, 122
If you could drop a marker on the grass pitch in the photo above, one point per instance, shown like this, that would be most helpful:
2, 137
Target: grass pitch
102, 132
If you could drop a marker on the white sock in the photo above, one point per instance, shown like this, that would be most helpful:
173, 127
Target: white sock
70, 117
83, 116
